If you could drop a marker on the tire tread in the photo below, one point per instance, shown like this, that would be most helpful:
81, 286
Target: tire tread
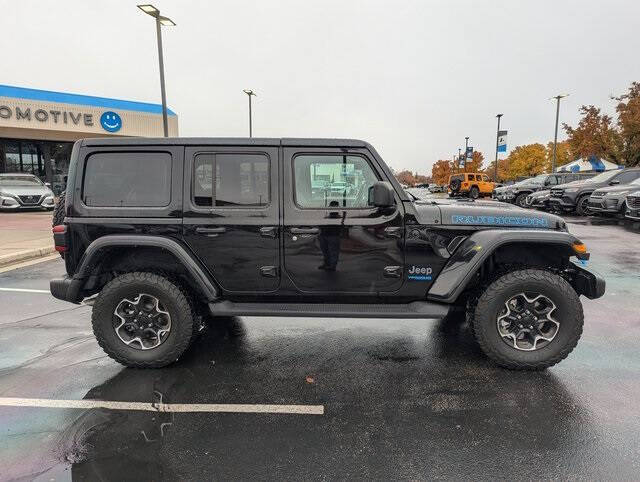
174, 291
500, 285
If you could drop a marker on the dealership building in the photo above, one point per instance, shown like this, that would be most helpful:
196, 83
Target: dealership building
38, 128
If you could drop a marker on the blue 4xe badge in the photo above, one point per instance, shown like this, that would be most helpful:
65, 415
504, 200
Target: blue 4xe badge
419, 273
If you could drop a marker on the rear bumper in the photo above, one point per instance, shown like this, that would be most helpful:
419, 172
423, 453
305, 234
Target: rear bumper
66, 289
588, 284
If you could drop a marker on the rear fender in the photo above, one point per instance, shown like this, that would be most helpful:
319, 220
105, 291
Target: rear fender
95, 251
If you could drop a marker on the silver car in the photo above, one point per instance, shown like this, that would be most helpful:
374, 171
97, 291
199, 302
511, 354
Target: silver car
24, 191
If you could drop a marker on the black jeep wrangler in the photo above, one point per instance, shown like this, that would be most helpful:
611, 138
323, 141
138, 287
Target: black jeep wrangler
172, 233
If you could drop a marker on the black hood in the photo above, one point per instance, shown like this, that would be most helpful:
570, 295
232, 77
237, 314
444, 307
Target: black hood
453, 212
619, 188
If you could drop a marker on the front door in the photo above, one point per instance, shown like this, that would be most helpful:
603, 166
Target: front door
231, 215
334, 242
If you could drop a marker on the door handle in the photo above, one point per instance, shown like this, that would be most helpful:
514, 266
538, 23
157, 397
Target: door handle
304, 230
269, 232
393, 232
393, 271
210, 231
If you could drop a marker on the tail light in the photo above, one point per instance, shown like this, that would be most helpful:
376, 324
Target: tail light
60, 237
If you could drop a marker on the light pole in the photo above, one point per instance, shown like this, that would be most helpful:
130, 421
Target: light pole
167, 22
495, 169
459, 158
466, 149
555, 137
250, 93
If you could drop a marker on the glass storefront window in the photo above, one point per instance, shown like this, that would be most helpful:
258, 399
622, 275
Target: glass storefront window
12, 157
29, 156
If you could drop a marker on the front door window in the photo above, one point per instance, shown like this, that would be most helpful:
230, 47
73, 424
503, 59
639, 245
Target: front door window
332, 181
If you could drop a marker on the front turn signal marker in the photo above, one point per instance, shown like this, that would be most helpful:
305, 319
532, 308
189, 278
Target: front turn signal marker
581, 251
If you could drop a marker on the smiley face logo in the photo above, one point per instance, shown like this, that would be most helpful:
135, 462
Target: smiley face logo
110, 121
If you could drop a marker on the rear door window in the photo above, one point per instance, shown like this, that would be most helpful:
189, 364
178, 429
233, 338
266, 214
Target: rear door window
230, 180
127, 179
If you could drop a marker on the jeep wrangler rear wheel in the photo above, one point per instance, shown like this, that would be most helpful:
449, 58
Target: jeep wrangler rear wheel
142, 320
528, 319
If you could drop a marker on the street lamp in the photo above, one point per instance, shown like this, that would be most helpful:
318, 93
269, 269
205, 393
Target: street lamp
167, 22
250, 93
466, 150
495, 168
555, 137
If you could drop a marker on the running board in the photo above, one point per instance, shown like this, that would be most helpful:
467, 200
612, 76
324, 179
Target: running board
416, 309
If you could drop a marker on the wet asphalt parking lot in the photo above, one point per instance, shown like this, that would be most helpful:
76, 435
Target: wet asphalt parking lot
398, 399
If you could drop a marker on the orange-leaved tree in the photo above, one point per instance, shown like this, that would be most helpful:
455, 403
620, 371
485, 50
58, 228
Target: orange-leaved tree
528, 160
594, 136
441, 171
628, 110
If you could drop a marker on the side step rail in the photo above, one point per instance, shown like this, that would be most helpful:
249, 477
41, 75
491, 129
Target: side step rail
416, 309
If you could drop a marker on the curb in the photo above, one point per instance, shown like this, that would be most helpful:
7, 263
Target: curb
25, 255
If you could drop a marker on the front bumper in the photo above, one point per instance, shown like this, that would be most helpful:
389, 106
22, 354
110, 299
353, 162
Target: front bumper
12, 204
605, 205
563, 203
632, 214
587, 283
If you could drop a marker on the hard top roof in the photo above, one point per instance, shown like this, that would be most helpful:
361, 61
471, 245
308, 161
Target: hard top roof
224, 141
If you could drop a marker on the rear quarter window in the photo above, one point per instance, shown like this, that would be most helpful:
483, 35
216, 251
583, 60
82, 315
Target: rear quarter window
127, 179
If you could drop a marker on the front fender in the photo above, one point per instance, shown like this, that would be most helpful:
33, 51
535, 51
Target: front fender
467, 259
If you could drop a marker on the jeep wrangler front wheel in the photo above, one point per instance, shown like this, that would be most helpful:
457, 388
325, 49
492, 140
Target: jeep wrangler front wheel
528, 319
142, 320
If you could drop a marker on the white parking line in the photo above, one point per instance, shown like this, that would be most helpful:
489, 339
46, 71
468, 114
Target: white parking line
25, 290
164, 407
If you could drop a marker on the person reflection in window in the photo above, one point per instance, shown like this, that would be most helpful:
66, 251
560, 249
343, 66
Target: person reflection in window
329, 239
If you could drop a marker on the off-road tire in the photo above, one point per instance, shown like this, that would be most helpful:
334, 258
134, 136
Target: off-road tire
582, 210
173, 299
474, 192
521, 200
569, 315
58, 213
455, 185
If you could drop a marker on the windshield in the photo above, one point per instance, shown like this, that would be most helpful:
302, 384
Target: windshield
538, 179
20, 181
605, 176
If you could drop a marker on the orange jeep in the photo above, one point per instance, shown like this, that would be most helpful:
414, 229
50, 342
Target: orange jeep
472, 184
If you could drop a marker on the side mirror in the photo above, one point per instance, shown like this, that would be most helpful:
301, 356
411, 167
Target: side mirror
614, 182
381, 195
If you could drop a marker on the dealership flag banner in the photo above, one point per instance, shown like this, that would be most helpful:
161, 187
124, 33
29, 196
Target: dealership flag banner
469, 153
502, 141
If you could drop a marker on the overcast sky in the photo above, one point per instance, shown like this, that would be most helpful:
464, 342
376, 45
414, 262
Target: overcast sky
411, 77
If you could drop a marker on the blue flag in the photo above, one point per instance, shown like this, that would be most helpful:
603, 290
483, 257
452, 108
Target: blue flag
502, 141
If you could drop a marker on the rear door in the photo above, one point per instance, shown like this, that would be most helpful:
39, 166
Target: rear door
333, 241
231, 215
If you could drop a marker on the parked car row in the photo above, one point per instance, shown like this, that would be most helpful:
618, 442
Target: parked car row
615, 192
